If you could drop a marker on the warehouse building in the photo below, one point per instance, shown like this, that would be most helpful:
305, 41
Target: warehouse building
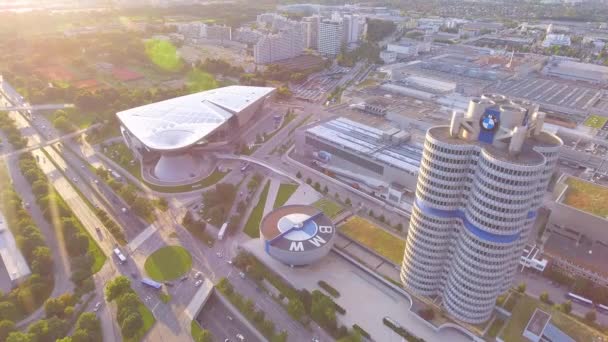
378, 159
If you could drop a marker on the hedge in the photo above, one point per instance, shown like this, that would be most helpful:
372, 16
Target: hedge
332, 291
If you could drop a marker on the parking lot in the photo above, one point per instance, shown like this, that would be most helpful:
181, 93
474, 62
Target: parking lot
222, 323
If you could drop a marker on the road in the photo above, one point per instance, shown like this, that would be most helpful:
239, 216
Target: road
537, 284
219, 320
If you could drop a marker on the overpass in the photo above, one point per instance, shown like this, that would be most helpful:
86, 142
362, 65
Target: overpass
37, 107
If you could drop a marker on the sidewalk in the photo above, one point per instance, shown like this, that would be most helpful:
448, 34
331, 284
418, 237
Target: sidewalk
273, 190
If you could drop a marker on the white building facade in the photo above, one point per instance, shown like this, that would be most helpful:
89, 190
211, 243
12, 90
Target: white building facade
480, 184
288, 43
331, 33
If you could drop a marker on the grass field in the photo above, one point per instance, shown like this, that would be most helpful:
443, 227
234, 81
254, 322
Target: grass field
495, 328
252, 227
195, 330
595, 121
586, 196
285, 191
168, 263
149, 321
525, 308
330, 208
375, 238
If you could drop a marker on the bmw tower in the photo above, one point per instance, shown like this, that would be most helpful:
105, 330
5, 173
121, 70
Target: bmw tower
480, 184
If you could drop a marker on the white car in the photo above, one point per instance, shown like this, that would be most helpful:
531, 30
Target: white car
240, 337
198, 283
197, 275
97, 306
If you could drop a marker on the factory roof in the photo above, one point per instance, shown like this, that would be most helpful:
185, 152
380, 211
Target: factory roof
183, 121
370, 141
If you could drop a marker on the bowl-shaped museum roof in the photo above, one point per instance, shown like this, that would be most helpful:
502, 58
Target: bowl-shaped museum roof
183, 121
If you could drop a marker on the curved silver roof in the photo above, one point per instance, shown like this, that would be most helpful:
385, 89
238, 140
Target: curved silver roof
183, 121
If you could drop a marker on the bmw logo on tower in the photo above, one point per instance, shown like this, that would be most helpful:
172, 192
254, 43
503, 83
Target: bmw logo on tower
489, 122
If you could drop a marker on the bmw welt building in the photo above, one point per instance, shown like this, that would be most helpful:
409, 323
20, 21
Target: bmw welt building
168, 133
480, 184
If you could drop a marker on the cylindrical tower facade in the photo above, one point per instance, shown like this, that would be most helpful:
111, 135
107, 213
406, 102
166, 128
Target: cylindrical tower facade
476, 199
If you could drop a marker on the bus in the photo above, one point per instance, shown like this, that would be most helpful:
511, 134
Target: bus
602, 308
121, 257
579, 299
222, 232
151, 283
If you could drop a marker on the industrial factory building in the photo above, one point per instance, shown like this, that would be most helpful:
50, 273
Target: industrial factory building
376, 159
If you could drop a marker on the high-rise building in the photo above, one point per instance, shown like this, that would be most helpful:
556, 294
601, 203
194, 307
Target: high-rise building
331, 34
311, 31
353, 28
219, 32
287, 43
480, 184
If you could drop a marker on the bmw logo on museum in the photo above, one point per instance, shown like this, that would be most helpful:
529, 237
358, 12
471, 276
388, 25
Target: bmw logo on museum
297, 235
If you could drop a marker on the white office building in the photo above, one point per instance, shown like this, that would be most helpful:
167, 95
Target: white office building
480, 184
311, 31
353, 28
331, 33
287, 43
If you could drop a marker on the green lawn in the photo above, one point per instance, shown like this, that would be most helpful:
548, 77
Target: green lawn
195, 330
495, 328
595, 121
149, 321
525, 308
586, 196
252, 227
168, 263
330, 208
285, 191
375, 238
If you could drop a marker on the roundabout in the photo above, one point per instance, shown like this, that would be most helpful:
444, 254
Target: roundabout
168, 263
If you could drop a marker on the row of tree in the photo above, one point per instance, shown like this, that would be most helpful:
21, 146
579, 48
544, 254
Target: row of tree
247, 307
13, 135
128, 314
141, 205
56, 211
301, 304
31, 293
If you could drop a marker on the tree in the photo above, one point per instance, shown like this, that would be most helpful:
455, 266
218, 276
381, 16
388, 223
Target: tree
521, 288
295, 308
6, 327
267, 328
399, 226
544, 297
348, 202
8, 311
283, 93
566, 307
42, 260
117, 287
53, 307
590, 316
131, 325
325, 190
308, 181
299, 175
317, 186
204, 336
88, 321
18, 336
